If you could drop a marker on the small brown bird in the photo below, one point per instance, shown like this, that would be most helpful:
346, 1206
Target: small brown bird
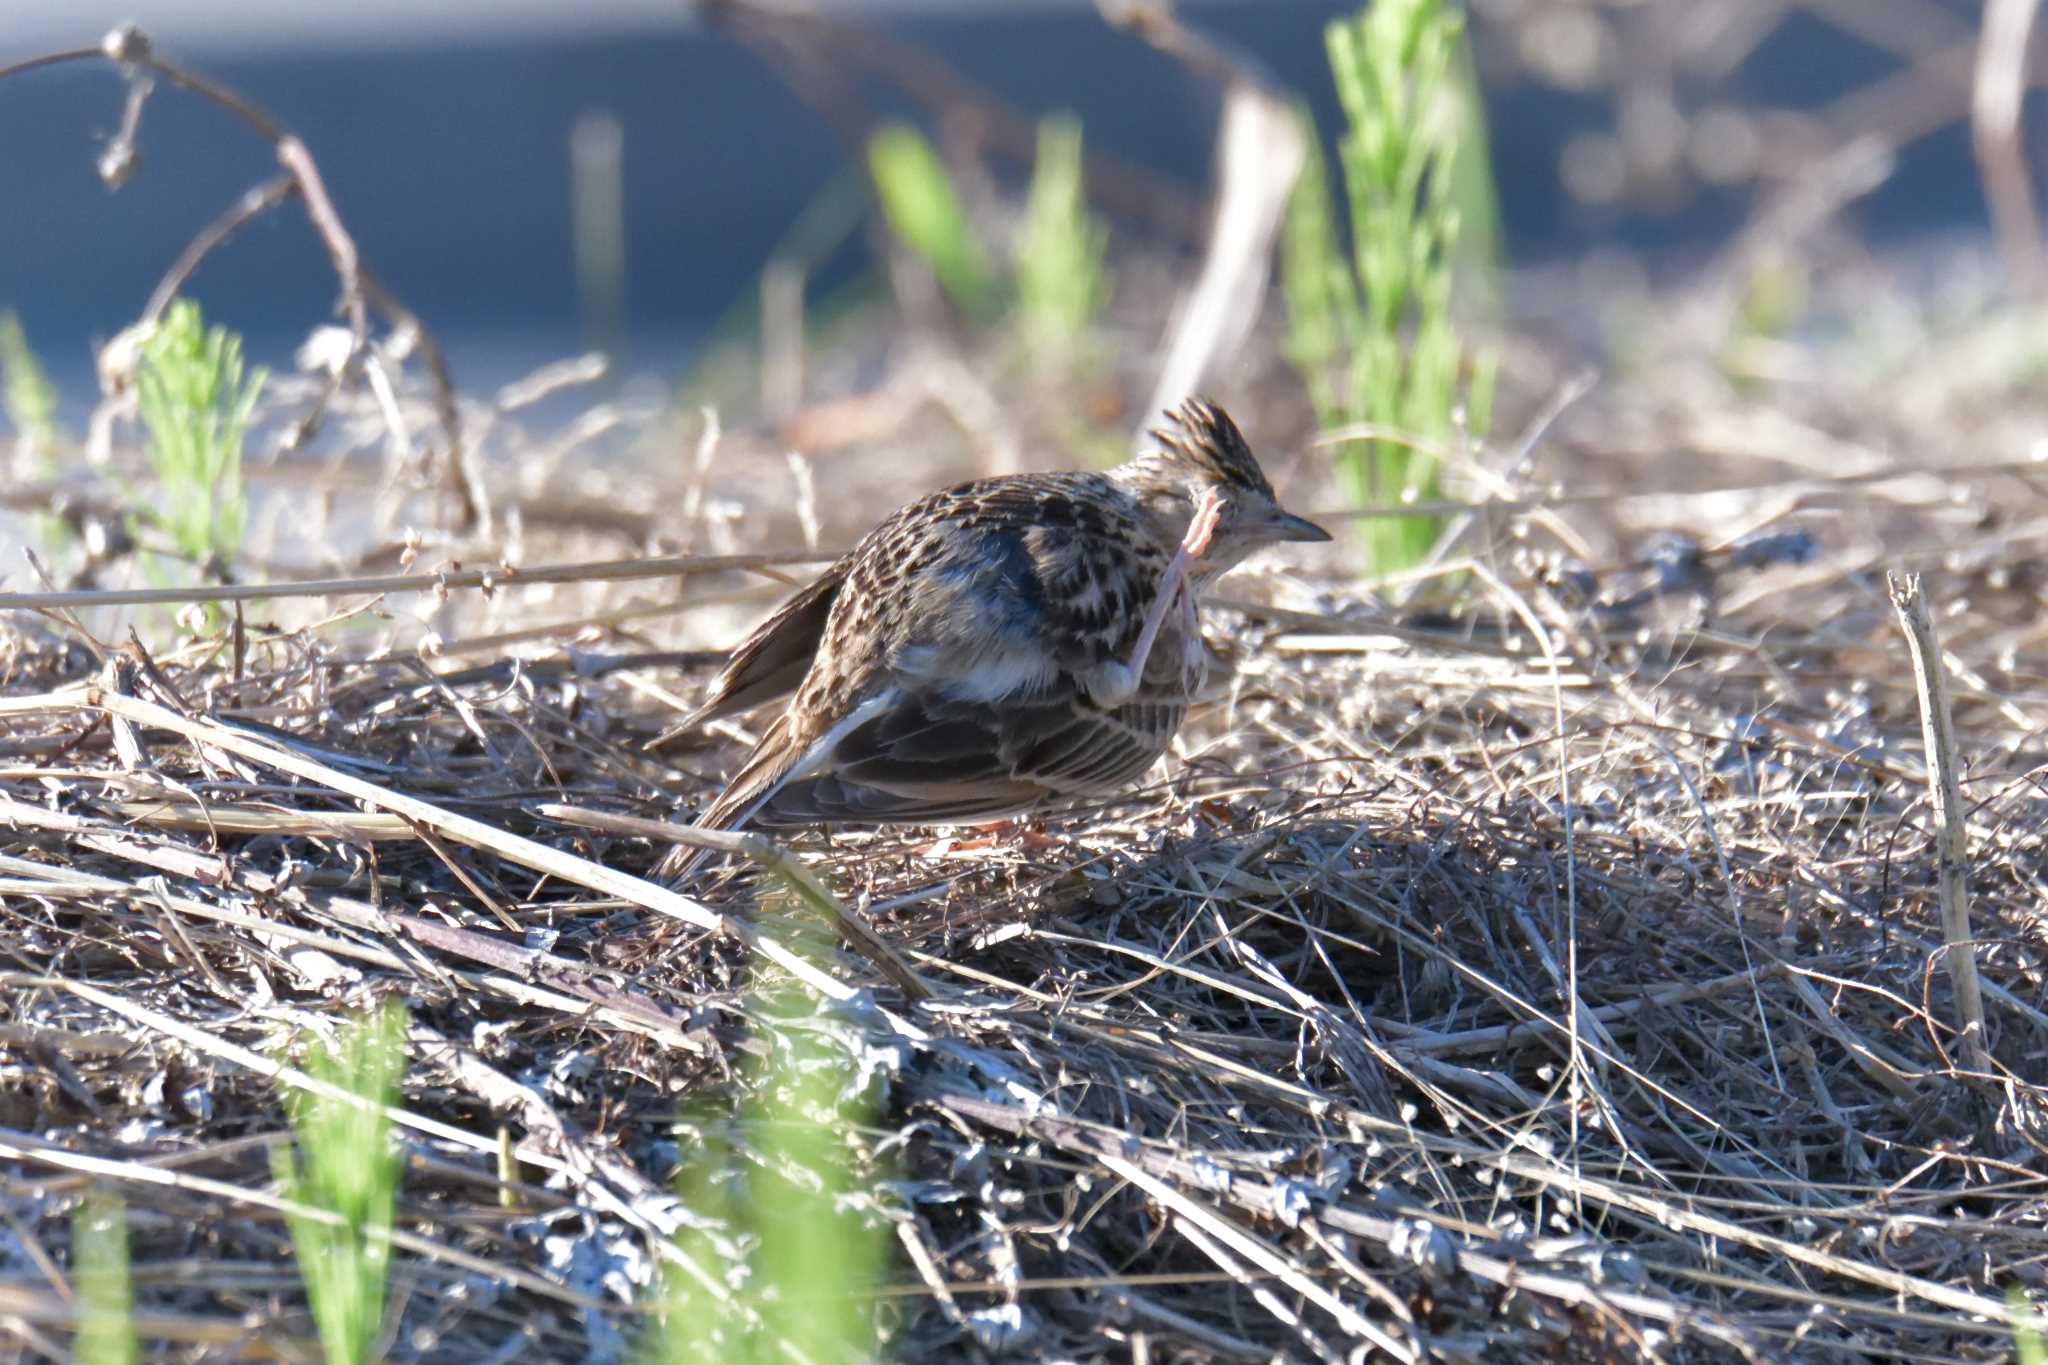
1000, 645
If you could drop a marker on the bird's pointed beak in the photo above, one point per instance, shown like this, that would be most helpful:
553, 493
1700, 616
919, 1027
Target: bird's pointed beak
1287, 526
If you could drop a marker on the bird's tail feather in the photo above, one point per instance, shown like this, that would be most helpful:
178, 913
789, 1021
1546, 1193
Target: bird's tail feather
766, 769
785, 752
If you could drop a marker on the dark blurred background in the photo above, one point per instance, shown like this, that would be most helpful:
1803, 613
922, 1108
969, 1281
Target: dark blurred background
443, 132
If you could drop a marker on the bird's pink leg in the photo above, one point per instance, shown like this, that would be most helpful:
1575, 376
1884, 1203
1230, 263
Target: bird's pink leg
1192, 547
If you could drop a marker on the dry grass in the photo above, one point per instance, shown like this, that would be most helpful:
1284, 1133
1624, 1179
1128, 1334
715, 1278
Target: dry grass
1552, 967
1552, 956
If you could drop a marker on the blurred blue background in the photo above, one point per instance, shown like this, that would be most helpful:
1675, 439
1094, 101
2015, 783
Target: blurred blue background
442, 130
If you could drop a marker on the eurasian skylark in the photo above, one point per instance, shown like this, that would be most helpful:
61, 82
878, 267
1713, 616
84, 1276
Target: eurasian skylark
1000, 645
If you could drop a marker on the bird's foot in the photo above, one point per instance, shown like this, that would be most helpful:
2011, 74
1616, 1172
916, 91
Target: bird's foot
1203, 526
1025, 836
1121, 680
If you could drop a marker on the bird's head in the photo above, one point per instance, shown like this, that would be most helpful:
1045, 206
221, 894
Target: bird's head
1200, 451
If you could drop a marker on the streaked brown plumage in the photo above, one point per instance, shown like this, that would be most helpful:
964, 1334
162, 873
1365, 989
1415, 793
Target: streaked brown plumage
971, 657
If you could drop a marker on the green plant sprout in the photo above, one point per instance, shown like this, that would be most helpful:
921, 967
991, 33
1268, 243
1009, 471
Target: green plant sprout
1372, 334
925, 214
806, 1282
195, 404
346, 1165
2027, 1346
1061, 282
106, 1298
29, 399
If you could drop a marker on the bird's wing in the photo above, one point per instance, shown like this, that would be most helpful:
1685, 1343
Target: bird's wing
930, 758
771, 662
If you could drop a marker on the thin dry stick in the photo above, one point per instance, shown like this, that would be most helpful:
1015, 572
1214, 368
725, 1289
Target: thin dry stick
1260, 151
1616, 495
504, 575
1937, 724
1995, 134
1577, 1016
254, 201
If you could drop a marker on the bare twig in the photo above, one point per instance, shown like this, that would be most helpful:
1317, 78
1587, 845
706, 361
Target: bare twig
253, 202
133, 54
1260, 150
1952, 866
490, 580
1995, 133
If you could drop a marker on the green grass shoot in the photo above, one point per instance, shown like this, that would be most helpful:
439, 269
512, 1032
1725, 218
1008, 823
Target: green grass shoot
923, 211
804, 1291
346, 1165
1061, 282
2027, 1346
106, 1298
195, 403
1371, 331
29, 400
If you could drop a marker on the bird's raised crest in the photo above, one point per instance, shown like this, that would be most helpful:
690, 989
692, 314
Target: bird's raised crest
1202, 435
